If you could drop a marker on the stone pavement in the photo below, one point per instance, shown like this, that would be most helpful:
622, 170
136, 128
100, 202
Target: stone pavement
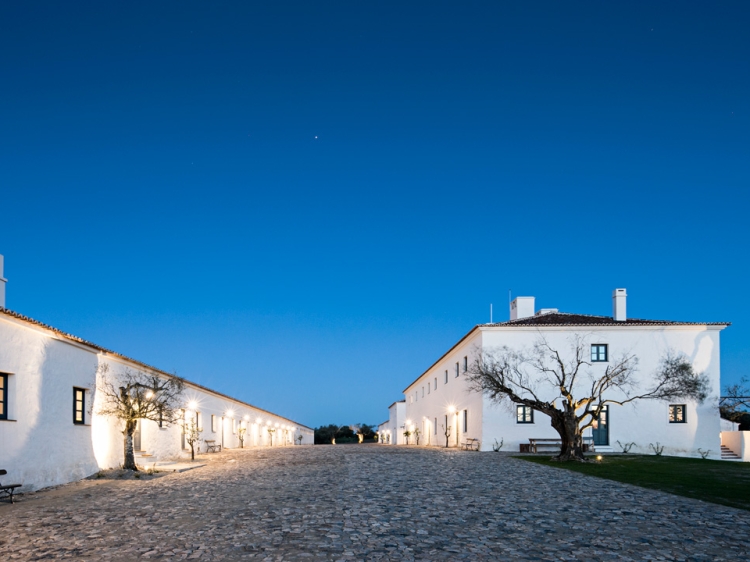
367, 502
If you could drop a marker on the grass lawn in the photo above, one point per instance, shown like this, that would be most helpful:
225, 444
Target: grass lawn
725, 483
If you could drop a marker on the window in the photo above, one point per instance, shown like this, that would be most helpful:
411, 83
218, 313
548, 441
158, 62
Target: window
466, 363
456, 369
435, 383
3, 396
599, 352
428, 388
524, 414
79, 405
422, 392
435, 426
213, 423
416, 396
677, 413
446, 376
466, 421
161, 418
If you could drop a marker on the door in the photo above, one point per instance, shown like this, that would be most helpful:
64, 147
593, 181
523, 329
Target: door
601, 431
137, 436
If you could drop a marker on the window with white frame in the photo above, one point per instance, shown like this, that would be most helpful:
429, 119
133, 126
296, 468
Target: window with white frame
435, 426
435, 383
213, 423
457, 372
524, 414
466, 421
446, 376
466, 363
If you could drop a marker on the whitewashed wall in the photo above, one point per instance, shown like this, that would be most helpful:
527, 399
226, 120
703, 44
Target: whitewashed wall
41, 446
643, 422
431, 397
39, 443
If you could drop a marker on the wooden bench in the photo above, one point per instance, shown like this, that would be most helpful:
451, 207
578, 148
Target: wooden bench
471, 444
536, 442
7, 490
212, 447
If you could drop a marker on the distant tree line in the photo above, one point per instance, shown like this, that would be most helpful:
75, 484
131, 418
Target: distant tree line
325, 434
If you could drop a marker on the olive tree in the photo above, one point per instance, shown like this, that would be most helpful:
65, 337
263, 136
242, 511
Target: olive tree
564, 385
134, 395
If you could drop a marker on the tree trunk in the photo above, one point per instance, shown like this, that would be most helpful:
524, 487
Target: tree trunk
570, 435
192, 451
129, 463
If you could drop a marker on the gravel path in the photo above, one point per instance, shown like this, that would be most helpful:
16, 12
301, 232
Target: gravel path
367, 502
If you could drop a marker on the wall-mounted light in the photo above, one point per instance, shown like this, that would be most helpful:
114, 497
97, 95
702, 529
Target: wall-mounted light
192, 405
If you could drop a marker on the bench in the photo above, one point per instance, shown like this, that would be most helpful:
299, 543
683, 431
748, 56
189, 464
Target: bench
7, 490
471, 444
212, 447
536, 442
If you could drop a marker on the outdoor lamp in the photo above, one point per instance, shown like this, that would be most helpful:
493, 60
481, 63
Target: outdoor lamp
192, 405
230, 414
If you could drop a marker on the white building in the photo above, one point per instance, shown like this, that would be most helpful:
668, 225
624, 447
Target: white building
49, 430
439, 398
391, 432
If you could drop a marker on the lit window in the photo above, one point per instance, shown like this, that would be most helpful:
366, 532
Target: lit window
599, 352
3, 396
524, 414
677, 413
79, 405
466, 421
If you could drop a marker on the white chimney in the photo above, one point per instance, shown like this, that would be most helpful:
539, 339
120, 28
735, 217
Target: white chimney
619, 305
3, 281
521, 307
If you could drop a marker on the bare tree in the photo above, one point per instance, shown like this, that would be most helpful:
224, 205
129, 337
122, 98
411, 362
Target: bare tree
135, 395
529, 377
192, 435
446, 432
736, 401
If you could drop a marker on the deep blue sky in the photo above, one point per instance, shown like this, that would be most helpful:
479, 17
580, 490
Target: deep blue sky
304, 204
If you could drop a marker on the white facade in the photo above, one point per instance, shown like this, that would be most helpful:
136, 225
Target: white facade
40, 445
391, 431
440, 397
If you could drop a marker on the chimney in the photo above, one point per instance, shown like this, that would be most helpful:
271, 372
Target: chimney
521, 307
3, 281
619, 305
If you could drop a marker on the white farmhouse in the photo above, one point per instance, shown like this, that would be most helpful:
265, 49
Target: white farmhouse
49, 430
440, 406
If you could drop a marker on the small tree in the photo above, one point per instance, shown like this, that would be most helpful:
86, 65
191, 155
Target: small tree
271, 431
192, 435
447, 433
299, 439
530, 378
135, 395
416, 435
241, 436
407, 434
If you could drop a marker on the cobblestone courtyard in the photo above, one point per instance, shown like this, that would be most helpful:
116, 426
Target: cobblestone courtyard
367, 503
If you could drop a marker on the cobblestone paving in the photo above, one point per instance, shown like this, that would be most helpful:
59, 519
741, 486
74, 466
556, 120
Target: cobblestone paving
367, 503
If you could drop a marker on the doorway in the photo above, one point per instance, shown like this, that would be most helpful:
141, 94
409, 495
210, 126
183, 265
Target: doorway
137, 436
601, 431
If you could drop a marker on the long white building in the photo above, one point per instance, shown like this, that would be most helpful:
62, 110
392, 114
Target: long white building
51, 434
439, 398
